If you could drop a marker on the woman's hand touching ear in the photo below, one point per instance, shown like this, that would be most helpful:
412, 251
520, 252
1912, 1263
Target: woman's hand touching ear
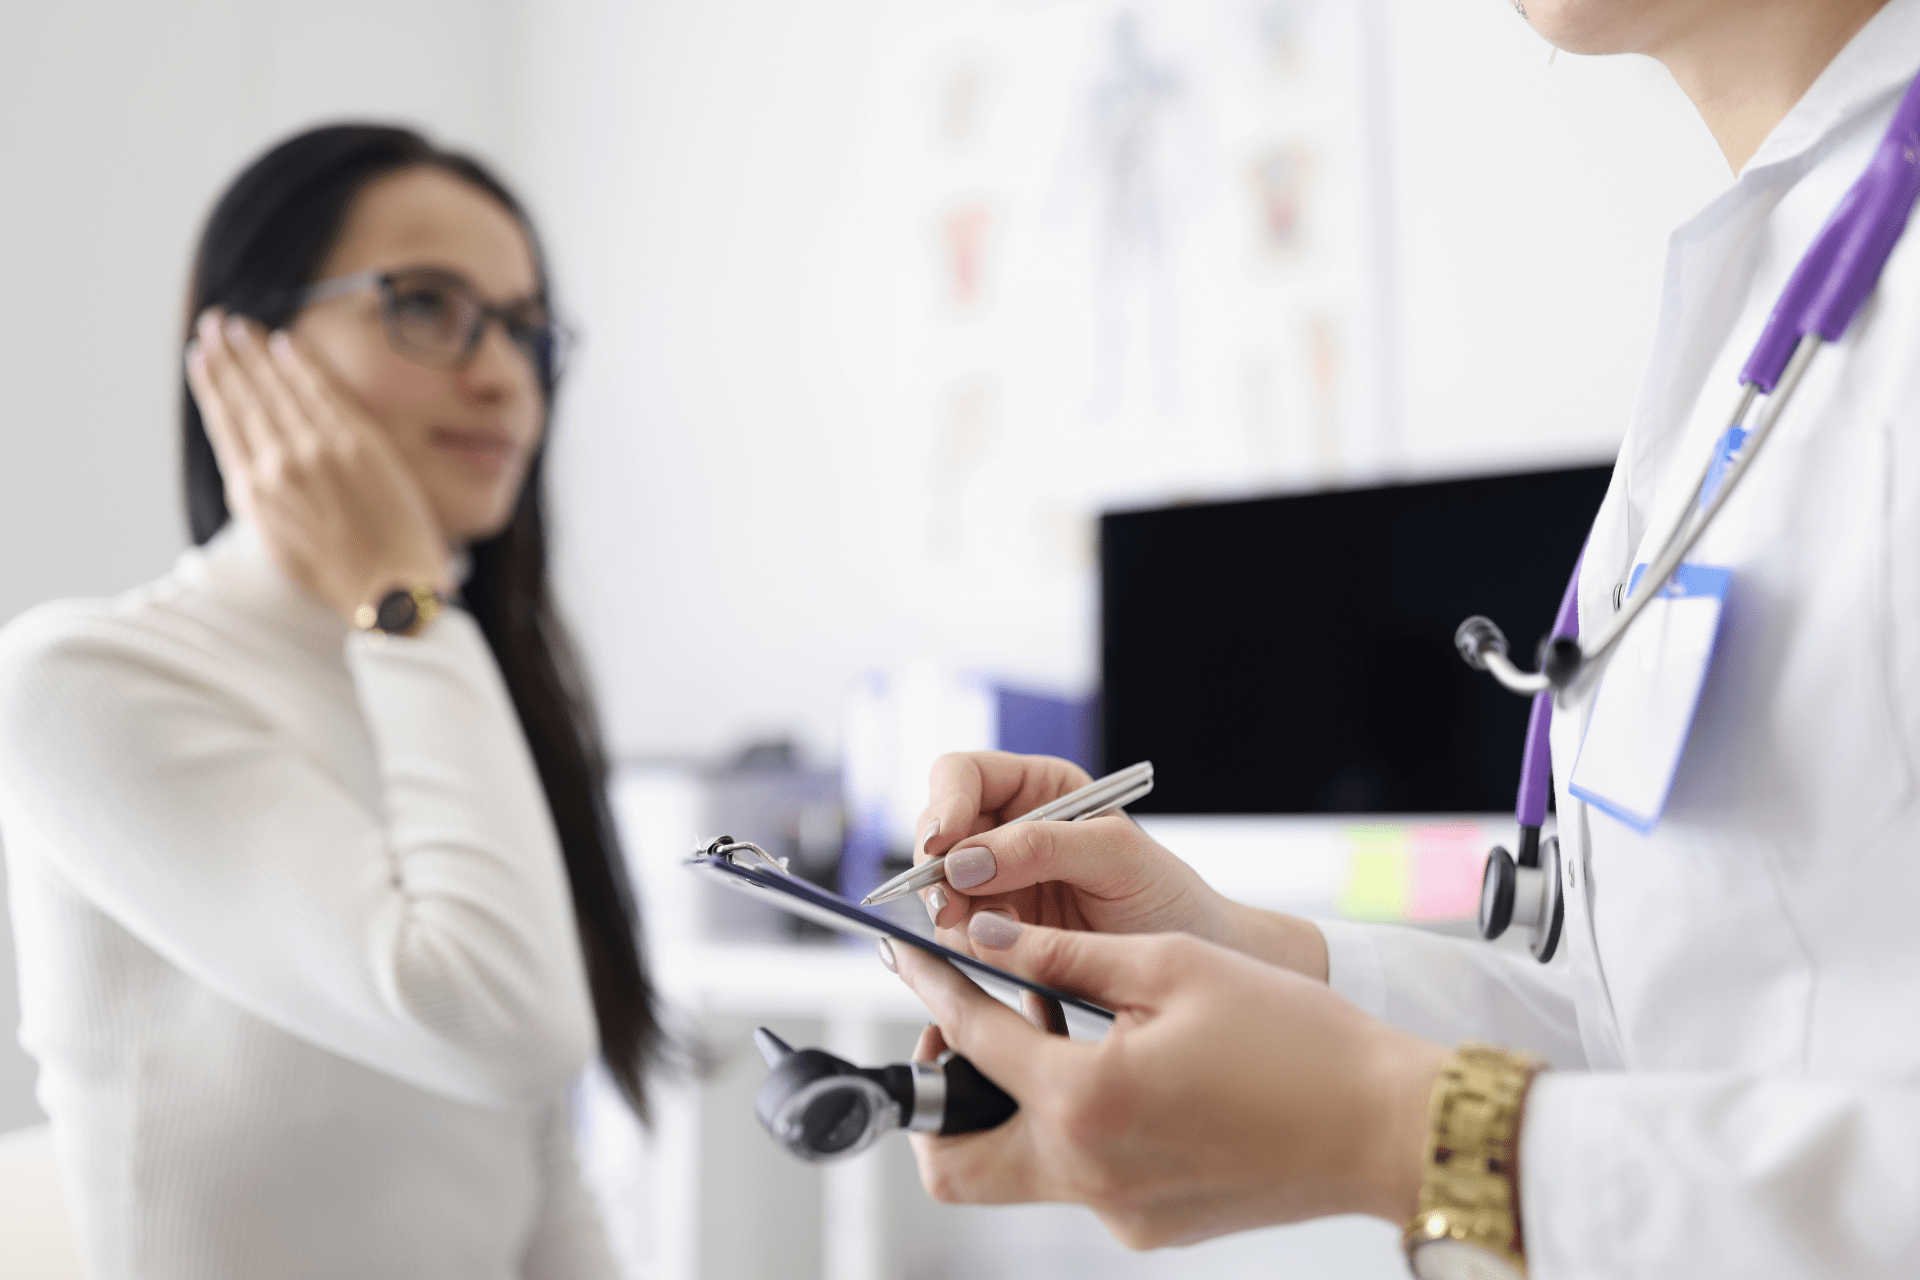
338, 510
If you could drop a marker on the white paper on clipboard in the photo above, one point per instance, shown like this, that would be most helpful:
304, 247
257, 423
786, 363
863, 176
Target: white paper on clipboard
1085, 1021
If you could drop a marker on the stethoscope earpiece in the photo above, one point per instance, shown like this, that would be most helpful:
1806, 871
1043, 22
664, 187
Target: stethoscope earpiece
1560, 660
821, 1107
1483, 646
1478, 637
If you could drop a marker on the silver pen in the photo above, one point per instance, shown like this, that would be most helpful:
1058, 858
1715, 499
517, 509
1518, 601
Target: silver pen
1095, 800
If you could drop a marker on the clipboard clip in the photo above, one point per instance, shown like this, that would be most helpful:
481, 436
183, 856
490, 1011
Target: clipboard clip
732, 850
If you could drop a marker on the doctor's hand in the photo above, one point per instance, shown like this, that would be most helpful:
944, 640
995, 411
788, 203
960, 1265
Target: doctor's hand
1227, 1095
337, 508
1104, 875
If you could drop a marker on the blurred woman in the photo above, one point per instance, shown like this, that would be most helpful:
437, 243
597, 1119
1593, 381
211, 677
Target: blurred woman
318, 905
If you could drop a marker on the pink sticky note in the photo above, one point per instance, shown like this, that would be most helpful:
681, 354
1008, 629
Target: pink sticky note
1448, 860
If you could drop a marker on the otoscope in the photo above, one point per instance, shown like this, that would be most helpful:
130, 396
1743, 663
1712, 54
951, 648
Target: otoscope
820, 1107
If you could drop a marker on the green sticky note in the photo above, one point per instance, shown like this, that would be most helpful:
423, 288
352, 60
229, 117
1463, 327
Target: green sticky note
1379, 874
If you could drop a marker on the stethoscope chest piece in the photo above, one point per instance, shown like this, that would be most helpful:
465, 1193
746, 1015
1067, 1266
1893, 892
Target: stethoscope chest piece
1524, 892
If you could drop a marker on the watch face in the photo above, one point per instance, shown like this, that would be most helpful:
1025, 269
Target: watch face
396, 611
1457, 1260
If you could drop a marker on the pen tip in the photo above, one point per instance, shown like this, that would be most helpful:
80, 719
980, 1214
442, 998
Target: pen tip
867, 901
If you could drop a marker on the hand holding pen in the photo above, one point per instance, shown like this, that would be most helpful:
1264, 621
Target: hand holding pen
1102, 874
1110, 794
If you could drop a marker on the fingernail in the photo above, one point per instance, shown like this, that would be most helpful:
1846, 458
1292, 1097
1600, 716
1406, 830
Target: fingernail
969, 867
195, 356
993, 929
885, 948
280, 342
936, 903
933, 829
209, 327
237, 332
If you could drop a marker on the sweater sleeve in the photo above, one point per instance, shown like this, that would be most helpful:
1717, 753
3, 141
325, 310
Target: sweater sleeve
433, 940
569, 1242
1449, 989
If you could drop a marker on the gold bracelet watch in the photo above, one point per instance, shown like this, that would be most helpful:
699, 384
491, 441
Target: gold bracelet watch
1468, 1224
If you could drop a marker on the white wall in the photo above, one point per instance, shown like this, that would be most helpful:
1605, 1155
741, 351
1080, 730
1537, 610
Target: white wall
717, 466
1534, 195
119, 123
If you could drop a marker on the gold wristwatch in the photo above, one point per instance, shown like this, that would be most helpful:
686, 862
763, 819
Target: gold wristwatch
1468, 1225
403, 611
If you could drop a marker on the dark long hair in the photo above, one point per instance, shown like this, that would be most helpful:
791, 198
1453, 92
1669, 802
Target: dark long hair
267, 237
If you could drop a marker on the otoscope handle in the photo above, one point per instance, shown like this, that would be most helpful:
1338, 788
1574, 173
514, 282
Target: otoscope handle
974, 1102
822, 1107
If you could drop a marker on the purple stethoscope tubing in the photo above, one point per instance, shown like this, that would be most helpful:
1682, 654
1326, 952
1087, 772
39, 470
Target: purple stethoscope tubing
1826, 292
1536, 765
1838, 274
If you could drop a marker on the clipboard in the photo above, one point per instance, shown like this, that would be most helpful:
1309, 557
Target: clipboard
798, 897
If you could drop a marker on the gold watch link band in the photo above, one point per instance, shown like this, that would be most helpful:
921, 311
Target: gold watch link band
1470, 1188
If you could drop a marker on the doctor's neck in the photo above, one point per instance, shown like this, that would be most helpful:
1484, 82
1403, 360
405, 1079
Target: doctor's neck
1744, 63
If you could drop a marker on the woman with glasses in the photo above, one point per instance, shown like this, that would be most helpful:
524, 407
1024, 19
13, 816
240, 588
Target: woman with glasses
318, 904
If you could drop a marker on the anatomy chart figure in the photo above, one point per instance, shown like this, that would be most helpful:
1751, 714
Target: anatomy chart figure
1133, 168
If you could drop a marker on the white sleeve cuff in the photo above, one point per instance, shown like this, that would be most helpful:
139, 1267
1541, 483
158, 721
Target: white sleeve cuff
1353, 965
1447, 989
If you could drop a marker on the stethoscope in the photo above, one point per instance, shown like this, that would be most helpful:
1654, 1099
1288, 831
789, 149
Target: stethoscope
1824, 294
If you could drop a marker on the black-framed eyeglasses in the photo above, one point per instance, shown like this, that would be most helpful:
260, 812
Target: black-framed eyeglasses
435, 317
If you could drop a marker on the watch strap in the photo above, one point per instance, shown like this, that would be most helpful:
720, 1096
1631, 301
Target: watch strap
1470, 1184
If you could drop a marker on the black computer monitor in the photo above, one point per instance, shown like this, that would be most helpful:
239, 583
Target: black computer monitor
1295, 654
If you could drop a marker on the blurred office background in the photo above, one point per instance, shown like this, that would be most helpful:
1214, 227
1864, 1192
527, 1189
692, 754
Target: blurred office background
883, 303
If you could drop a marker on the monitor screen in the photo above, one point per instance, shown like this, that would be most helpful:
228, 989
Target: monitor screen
1295, 654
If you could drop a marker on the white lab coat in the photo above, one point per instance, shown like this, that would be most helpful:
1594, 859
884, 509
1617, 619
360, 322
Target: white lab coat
1737, 1026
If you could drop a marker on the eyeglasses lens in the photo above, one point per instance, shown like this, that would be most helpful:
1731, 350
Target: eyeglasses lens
543, 346
438, 317
431, 315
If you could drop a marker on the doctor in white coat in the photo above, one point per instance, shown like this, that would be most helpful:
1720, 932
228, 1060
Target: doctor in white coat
1733, 1082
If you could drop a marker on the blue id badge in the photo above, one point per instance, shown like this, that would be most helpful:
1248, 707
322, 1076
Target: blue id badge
1648, 695
1650, 690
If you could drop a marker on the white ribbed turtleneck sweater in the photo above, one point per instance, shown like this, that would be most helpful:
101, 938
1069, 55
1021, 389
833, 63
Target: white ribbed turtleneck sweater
297, 957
